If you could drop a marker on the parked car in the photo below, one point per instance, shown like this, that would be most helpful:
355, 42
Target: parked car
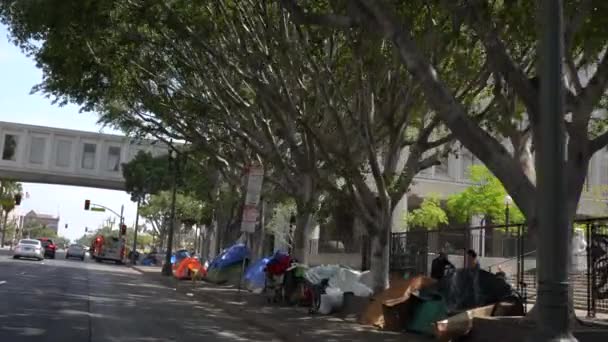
29, 248
49, 247
75, 251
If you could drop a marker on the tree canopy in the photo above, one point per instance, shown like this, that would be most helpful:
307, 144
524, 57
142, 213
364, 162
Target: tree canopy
485, 197
430, 215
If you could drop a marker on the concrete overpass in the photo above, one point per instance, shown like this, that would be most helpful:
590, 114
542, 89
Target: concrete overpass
59, 156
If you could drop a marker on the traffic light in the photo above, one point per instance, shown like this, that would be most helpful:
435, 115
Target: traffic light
17, 199
87, 204
123, 229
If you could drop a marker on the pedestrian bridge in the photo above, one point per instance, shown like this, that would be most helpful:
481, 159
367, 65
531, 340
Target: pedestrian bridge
59, 156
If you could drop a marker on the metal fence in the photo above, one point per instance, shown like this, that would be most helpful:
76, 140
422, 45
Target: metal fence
512, 250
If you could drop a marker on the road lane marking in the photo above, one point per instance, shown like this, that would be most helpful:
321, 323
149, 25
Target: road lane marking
2, 282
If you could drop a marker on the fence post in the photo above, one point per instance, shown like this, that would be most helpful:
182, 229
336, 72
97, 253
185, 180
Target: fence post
522, 254
592, 269
590, 314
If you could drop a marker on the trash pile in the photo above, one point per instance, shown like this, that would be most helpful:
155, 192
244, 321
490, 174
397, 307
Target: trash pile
332, 282
443, 308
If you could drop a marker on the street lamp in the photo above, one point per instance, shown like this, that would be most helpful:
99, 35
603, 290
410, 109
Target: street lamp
508, 202
174, 169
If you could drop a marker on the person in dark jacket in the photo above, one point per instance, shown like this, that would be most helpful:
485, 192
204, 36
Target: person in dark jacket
439, 266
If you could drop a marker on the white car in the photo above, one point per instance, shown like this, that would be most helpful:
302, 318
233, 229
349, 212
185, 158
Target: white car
29, 248
75, 251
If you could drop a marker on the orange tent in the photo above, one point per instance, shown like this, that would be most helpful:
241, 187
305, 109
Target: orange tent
187, 266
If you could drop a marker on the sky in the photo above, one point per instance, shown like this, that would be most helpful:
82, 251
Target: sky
18, 74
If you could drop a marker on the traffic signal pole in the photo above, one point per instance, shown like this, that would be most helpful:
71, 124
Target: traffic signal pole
120, 216
133, 257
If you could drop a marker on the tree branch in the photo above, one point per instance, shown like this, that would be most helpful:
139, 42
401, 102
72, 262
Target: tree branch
594, 90
599, 142
300, 16
479, 19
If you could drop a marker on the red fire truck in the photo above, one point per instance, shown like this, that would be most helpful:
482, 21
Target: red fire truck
108, 248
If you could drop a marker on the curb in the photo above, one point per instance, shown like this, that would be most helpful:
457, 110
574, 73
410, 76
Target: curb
136, 269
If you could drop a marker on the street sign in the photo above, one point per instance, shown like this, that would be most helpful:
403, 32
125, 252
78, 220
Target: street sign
250, 217
98, 209
255, 177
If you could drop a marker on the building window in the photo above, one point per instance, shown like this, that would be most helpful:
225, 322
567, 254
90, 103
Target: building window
37, 150
64, 151
441, 170
468, 160
9, 151
113, 158
88, 156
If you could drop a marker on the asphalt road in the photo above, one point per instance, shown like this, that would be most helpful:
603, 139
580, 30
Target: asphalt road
70, 300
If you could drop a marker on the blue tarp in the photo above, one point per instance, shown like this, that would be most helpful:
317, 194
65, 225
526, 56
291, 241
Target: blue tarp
179, 256
255, 275
230, 256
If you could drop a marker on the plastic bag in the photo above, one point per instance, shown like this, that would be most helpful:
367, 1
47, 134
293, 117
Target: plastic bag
331, 301
348, 280
316, 274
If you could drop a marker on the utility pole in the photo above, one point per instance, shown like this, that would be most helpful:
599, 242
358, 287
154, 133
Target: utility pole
554, 252
133, 256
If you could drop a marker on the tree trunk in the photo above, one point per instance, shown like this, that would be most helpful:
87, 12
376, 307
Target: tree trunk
4, 220
305, 202
380, 259
303, 226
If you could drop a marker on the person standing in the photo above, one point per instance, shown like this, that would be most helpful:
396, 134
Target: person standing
440, 265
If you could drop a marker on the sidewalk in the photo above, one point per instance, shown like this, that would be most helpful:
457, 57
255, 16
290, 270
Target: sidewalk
288, 323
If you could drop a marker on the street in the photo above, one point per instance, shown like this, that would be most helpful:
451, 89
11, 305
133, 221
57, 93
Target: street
71, 300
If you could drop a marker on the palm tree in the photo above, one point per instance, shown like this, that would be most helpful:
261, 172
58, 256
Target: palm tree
8, 190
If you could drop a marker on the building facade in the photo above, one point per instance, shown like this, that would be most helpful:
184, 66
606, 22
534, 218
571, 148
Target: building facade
33, 218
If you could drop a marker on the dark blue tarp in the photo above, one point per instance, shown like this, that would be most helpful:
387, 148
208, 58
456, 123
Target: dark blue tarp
255, 275
179, 256
230, 256
465, 289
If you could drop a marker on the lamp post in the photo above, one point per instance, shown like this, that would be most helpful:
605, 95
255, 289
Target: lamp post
553, 301
174, 168
508, 202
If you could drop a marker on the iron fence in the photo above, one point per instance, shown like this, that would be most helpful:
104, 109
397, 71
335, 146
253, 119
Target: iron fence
512, 250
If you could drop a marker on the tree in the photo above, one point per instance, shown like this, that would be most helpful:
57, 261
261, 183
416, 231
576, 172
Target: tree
39, 231
505, 31
8, 190
237, 110
485, 197
430, 215
280, 224
62, 241
143, 239
84, 240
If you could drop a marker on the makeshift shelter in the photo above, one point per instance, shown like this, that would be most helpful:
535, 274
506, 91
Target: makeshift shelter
399, 291
186, 267
227, 266
255, 276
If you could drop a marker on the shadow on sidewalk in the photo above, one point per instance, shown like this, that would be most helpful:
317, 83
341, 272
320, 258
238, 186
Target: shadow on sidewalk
288, 322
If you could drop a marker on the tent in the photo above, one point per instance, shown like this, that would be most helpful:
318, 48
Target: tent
255, 275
